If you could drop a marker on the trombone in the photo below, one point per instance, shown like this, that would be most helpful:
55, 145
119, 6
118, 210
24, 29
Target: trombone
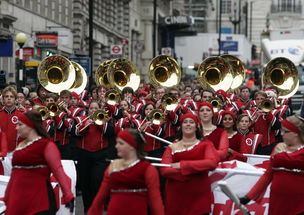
99, 117
54, 108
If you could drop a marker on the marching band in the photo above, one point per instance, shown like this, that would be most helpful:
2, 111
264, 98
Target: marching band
190, 126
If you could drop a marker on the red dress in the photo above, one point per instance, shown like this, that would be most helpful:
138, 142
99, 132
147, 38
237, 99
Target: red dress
286, 173
188, 189
133, 190
27, 190
219, 138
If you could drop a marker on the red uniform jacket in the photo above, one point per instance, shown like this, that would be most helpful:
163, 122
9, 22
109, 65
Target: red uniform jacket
8, 122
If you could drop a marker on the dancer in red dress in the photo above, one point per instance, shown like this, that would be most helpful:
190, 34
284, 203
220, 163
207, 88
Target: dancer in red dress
285, 173
218, 136
131, 182
188, 189
29, 190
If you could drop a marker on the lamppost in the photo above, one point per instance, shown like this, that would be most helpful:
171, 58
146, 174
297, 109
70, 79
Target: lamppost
20, 39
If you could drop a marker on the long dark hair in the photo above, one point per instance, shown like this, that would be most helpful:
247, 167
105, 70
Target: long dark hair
140, 141
35, 117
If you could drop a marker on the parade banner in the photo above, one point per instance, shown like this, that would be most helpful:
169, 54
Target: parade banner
240, 177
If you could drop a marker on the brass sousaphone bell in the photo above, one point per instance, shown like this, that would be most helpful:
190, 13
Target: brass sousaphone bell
81, 79
123, 73
215, 73
238, 71
282, 73
56, 73
164, 71
101, 74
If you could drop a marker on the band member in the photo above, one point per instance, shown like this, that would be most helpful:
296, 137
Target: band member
152, 146
250, 141
9, 117
29, 190
95, 148
187, 179
285, 173
218, 136
131, 182
41, 93
244, 97
235, 138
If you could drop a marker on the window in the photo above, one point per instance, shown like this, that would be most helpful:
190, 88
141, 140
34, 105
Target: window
226, 6
287, 5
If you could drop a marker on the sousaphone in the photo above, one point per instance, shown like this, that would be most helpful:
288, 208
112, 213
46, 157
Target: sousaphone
283, 74
215, 73
56, 73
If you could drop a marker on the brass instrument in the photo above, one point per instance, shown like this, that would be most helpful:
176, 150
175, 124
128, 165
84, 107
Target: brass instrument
101, 74
44, 112
112, 97
99, 117
123, 73
156, 116
283, 74
217, 104
56, 73
169, 102
238, 71
164, 71
81, 79
267, 105
54, 108
215, 73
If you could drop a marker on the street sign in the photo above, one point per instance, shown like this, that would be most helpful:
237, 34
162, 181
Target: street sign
166, 51
229, 45
116, 50
85, 62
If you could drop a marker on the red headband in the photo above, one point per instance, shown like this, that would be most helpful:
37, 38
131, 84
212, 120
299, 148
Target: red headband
126, 136
206, 104
230, 113
191, 116
290, 126
25, 120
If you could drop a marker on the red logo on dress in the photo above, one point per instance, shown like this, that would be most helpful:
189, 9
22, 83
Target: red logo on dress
14, 119
249, 141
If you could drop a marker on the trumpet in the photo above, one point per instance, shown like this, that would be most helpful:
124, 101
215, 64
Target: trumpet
55, 108
169, 102
99, 117
156, 116
217, 103
44, 112
267, 105
112, 97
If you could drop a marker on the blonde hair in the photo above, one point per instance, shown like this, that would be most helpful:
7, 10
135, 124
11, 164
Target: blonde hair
9, 89
299, 123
